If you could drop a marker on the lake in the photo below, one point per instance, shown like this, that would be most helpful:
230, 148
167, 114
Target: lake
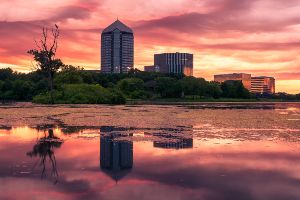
195, 151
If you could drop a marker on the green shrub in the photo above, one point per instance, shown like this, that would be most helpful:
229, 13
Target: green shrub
168, 87
44, 98
82, 94
132, 88
128, 85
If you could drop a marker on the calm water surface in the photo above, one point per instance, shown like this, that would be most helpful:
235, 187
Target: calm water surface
230, 160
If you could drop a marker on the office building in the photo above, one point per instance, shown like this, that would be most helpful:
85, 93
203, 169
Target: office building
151, 68
245, 78
177, 63
263, 85
117, 48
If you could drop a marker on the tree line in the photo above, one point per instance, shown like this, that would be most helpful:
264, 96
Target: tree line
76, 85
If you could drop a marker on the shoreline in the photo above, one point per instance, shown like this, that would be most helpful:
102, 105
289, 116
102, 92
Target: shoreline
146, 103
164, 102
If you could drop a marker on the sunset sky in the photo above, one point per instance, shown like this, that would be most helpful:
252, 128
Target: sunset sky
261, 37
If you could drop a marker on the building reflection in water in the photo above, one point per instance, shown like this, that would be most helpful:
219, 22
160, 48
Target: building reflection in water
44, 150
173, 142
116, 156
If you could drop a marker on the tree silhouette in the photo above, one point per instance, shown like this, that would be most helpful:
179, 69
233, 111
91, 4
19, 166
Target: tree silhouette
44, 55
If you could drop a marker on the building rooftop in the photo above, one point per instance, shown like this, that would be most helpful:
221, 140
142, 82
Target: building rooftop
117, 25
173, 53
231, 74
262, 77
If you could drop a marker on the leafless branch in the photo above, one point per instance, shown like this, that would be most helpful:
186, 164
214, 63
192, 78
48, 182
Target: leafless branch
55, 35
37, 44
34, 66
44, 40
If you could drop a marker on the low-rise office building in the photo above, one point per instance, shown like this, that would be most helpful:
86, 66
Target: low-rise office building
173, 63
151, 68
245, 78
263, 85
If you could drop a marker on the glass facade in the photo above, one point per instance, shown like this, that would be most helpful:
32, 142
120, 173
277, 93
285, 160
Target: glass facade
117, 48
263, 85
177, 63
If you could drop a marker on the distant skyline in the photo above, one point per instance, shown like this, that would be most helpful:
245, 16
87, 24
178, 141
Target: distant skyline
261, 37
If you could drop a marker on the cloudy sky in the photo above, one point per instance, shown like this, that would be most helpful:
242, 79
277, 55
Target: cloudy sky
261, 37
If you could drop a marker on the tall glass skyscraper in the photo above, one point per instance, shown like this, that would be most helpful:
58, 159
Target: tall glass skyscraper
117, 47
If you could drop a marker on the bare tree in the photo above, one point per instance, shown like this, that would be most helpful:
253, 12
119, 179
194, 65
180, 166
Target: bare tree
45, 56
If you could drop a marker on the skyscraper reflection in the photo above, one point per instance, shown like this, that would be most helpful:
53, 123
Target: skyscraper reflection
116, 156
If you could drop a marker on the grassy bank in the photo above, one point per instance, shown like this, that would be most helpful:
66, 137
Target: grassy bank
82, 94
205, 100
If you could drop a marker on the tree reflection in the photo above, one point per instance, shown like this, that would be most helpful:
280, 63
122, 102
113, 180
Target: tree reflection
44, 149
